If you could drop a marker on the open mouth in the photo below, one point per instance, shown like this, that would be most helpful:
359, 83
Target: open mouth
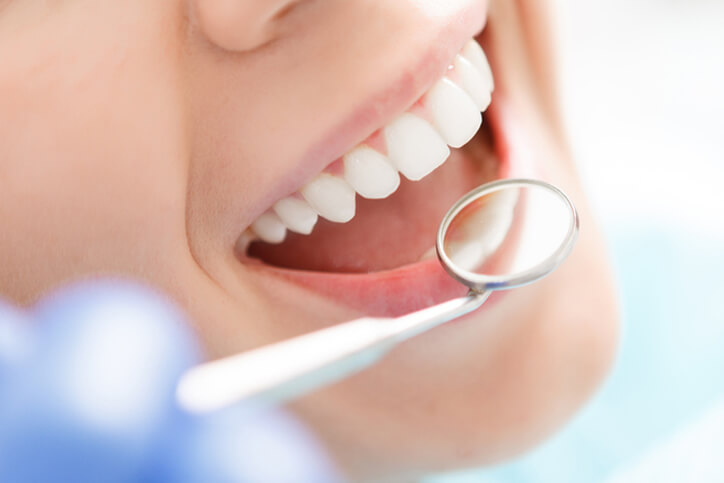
362, 231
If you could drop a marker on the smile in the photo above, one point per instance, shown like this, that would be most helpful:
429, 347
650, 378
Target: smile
414, 145
362, 231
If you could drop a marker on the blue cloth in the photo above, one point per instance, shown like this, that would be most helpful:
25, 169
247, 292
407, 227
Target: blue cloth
87, 394
668, 376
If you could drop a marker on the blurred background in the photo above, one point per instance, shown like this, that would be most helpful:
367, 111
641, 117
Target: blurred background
643, 85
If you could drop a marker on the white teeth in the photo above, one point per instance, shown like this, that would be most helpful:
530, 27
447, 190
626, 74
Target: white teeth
331, 197
472, 81
370, 173
454, 113
269, 228
296, 214
414, 147
475, 54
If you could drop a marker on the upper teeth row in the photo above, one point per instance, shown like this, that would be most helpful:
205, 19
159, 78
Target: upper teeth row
415, 148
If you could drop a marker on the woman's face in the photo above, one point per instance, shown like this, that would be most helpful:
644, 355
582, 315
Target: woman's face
145, 139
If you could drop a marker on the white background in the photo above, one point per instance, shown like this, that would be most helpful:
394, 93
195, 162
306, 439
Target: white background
643, 86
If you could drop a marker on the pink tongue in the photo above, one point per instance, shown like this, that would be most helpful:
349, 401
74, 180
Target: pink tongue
387, 233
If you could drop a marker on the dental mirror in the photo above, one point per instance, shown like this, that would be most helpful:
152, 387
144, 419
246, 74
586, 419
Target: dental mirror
506, 234
500, 236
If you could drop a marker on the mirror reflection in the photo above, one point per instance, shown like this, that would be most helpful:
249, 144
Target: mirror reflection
508, 231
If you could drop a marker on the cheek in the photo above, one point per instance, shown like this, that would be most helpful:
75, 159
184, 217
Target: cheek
92, 149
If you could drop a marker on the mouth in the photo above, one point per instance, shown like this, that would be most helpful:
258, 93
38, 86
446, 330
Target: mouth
361, 232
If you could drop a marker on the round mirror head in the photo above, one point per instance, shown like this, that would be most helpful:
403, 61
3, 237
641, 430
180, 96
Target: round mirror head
506, 234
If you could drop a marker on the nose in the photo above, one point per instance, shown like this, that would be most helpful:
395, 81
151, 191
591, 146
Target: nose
239, 25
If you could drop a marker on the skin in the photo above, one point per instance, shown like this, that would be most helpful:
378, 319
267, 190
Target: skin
131, 135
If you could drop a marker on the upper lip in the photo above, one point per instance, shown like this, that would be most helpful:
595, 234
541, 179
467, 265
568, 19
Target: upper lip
382, 106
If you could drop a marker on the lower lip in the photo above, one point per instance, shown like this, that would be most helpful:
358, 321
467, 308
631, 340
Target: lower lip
409, 288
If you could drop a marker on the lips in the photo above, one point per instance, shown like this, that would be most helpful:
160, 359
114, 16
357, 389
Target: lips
347, 237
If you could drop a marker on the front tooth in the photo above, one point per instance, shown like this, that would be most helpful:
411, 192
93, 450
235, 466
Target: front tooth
472, 81
414, 147
370, 173
296, 214
454, 113
475, 54
269, 228
331, 197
